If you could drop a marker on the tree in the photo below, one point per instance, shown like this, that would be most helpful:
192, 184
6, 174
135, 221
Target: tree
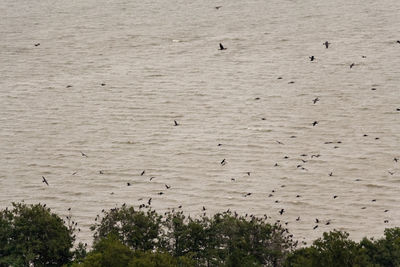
384, 251
136, 229
334, 249
31, 234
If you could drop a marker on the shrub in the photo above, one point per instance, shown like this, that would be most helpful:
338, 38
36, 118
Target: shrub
31, 234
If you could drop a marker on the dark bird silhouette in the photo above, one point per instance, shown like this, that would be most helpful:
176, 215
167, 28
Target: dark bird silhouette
315, 227
160, 193
69, 86
386, 221
223, 162
37, 44
167, 186
352, 65
142, 173
248, 194
74, 173
326, 44
298, 218
386, 210
395, 159
149, 202
45, 181
219, 145
328, 223
316, 100
391, 173
221, 47
101, 172
83, 154
176, 123
151, 178
103, 84
69, 209
314, 123
312, 58
204, 208
331, 173
335, 196
281, 211
316, 220
248, 173
128, 184
279, 142
232, 179
398, 41
218, 7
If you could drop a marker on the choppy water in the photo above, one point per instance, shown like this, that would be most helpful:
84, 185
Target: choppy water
159, 61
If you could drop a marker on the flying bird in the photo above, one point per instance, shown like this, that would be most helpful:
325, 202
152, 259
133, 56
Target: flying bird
316, 100
221, 47
176, 123
45, 181
83, 154
314, 123
326, 44
312, 58
352, 65
142, 173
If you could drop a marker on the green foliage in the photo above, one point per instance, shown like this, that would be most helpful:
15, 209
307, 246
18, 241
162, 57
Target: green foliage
221, 240
31, 234
136, 229
110, 251
384, 251
158, 259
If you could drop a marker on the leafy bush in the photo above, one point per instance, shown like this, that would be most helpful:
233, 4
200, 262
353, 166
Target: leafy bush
221, 240
31, 234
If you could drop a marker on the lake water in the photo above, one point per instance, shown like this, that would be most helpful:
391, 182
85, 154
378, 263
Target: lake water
108, 78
